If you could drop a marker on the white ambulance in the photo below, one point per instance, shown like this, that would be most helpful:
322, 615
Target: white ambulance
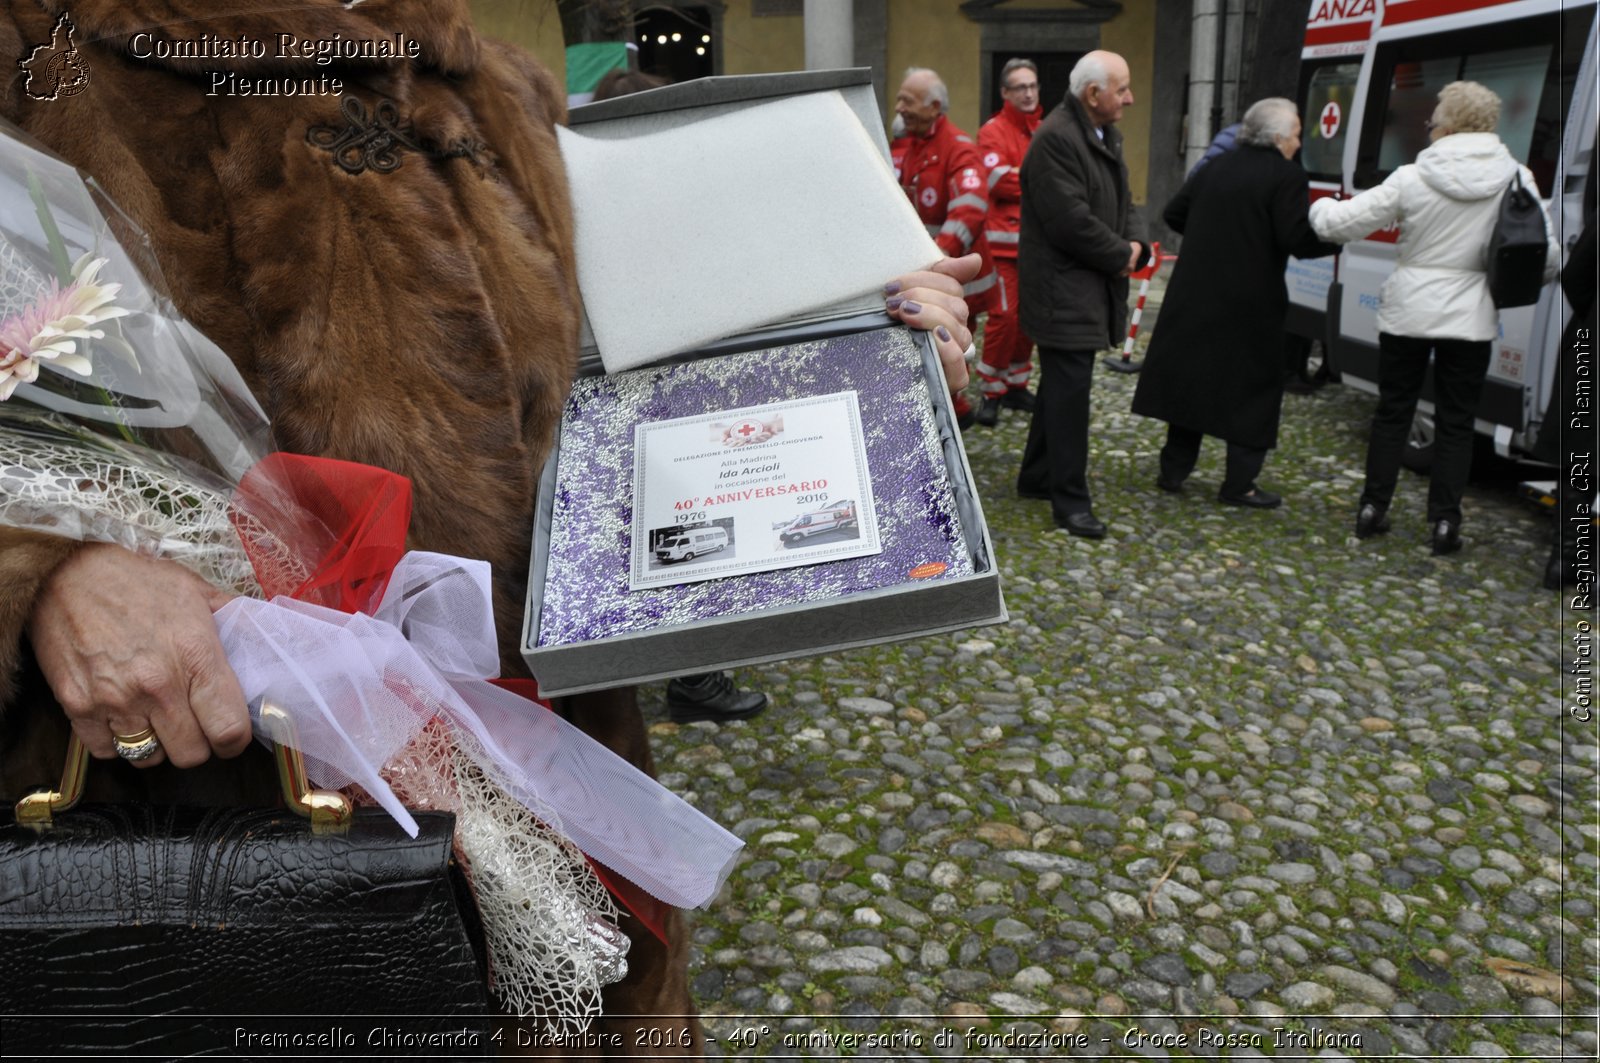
689, 543
839, 516
1539, 56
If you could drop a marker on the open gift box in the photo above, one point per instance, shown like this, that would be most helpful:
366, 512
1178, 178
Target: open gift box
783, 339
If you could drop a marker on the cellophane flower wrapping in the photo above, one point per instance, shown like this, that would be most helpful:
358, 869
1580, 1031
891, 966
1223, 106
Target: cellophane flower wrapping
121, 423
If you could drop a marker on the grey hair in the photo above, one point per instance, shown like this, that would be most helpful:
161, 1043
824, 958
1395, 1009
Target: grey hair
1267, 120
936, 90
1090, 70
1015, 64
1467, 107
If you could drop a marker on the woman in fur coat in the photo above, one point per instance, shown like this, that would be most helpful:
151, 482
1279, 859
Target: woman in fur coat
391, 270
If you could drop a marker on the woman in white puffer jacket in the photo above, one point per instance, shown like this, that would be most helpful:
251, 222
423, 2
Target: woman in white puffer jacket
1436, 300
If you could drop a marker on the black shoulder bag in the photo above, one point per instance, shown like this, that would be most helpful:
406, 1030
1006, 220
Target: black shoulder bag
1517, 248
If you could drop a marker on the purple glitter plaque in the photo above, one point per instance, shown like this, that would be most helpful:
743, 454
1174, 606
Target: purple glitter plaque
586, 595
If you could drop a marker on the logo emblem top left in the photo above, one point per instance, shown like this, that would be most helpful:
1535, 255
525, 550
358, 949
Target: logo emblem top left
57, 69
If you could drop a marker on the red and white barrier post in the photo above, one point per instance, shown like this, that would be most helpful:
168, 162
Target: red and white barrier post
1126, 364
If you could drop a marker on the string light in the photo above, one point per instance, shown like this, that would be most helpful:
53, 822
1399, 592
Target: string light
677, 36
700, 51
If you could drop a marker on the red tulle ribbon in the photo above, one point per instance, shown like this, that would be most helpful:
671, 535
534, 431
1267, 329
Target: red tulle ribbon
348, 522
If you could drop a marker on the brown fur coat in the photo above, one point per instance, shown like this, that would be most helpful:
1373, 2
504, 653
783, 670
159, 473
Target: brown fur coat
422, 319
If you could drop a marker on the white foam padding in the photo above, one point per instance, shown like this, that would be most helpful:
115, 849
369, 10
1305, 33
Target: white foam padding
733, 223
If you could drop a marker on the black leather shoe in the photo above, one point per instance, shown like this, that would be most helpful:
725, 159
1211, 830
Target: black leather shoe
1446, 538
1020, 399
1299, 385
1171, 487
1255, 498
1083, 525
711, 696
1372, 520
966, 420
988, 414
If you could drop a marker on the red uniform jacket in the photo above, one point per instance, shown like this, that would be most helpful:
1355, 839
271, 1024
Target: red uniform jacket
945, 180
1002, 142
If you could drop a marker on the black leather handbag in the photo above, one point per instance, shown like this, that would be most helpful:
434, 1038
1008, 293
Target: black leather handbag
158, 931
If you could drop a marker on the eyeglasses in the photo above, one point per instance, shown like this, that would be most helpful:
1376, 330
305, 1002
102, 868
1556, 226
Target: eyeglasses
1032, 86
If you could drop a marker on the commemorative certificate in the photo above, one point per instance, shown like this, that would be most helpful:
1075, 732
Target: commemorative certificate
750, 490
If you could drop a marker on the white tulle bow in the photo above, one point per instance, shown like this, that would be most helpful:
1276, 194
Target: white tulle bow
361, 687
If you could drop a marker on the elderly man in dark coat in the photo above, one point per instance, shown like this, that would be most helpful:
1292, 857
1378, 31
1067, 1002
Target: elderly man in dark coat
1215, 366
1080, 238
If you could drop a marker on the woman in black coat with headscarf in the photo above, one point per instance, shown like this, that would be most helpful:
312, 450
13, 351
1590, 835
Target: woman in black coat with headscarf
1215, 363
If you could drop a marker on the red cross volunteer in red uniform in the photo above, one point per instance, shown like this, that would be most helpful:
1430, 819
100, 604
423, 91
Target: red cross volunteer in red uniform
938, 166
1002, 142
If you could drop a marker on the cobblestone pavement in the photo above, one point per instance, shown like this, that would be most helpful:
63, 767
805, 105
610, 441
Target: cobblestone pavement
1225, 774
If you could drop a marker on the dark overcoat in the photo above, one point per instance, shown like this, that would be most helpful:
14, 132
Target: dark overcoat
1077, 224
1215, 362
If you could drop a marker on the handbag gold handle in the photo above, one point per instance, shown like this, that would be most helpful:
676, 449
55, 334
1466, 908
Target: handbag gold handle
329, 811
37, 809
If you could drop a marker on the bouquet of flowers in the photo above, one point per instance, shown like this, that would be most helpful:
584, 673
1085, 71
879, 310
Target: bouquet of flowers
121, 423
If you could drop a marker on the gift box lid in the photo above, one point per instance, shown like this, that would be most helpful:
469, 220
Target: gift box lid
729, 206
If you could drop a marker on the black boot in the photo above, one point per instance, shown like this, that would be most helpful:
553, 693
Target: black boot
1372, 520
1020, 399
1446, 537
989, 413
711, 696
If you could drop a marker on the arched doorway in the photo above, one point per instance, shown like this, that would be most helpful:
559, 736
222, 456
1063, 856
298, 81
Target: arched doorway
680, 42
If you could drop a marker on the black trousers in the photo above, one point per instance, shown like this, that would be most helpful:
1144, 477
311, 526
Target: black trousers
1056, 460
1459, 368
1296, 357
1183, 450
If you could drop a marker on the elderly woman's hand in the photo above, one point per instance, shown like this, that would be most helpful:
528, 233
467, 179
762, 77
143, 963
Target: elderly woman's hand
931, 300
126, 643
